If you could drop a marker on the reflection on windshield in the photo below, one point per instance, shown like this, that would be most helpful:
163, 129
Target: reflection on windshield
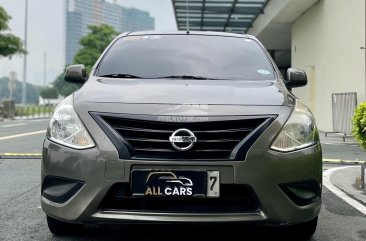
187, 56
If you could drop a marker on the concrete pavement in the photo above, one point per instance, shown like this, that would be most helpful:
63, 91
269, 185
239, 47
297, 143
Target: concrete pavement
346, 180
337, 151
22, 137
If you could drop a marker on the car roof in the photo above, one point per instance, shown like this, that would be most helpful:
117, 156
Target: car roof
204, 33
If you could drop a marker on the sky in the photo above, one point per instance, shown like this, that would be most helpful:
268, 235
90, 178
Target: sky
46, 33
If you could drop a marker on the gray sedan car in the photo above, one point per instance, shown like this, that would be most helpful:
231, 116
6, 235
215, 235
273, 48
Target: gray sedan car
182, 127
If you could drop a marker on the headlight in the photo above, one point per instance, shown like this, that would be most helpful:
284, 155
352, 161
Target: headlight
66, 128
298, 132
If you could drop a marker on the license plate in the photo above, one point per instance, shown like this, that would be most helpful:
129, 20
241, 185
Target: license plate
169, 183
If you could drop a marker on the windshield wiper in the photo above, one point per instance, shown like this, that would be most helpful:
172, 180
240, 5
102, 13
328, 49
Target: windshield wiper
185, 77
130, 76
124, 76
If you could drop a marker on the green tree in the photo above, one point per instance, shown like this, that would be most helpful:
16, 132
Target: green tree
63, 87
359, 125
9, 44
92, 46
49, 93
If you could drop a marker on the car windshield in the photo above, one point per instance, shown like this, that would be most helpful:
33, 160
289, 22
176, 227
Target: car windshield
186, 57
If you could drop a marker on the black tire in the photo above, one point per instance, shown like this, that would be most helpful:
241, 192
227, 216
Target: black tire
303, 230
60, 228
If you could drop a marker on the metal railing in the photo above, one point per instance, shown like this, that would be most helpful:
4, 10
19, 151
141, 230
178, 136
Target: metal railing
363, 167
1, 112
27, 112
343, 106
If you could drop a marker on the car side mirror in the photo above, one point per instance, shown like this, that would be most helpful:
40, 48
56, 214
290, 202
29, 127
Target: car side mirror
75, 74
296, 78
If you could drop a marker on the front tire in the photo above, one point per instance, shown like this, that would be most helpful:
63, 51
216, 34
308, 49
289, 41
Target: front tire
60, 228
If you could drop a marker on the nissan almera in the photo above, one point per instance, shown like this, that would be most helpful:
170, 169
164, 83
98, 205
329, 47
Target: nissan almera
180, 127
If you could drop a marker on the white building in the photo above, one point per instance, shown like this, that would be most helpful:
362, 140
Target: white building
324, 38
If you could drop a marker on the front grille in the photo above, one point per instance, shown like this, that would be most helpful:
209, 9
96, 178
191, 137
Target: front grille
233, 198
219, 138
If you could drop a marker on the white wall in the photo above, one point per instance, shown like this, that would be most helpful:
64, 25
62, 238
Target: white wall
326, 43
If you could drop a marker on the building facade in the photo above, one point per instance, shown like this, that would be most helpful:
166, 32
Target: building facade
326, 39
326, 43
82, 13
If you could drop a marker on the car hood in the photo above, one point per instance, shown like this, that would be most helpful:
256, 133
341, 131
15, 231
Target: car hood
173, 91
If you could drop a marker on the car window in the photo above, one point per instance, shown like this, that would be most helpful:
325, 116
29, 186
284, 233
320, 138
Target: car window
213, 57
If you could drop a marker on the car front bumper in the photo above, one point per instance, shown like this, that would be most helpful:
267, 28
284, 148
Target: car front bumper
264, 175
